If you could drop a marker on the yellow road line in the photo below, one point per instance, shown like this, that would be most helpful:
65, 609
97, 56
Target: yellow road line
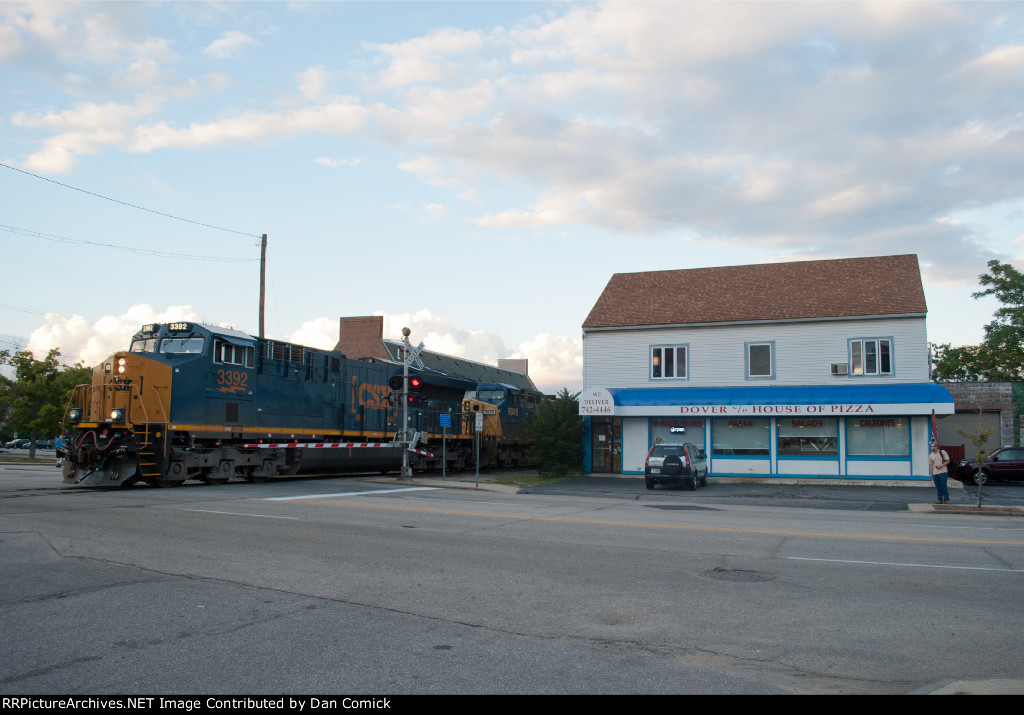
680, 527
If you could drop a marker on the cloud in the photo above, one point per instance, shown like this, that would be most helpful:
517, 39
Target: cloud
337, 163
813, 128
555, 361
313, 82
230, 44
82, 341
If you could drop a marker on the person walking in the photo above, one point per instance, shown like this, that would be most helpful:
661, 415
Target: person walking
938, 460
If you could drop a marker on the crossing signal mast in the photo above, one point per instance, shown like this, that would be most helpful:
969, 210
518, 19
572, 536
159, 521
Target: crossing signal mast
411, 386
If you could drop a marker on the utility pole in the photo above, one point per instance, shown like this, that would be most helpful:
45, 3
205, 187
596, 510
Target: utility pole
263, 279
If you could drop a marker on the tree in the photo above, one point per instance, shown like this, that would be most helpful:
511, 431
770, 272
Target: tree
979, 438
1000, 356
556, 435
34, 401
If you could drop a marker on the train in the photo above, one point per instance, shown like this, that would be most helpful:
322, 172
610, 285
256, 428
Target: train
191, 401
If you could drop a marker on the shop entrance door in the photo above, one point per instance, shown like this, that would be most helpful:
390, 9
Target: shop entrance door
606, 445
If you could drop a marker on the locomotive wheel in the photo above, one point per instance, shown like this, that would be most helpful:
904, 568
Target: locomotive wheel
164, 483
251, 476
215, 481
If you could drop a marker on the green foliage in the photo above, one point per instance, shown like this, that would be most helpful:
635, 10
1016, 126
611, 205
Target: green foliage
1000, 356
556, 435
34, 401
979, 438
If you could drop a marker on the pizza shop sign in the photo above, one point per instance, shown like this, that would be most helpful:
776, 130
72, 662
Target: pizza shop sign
776, 409
597, 401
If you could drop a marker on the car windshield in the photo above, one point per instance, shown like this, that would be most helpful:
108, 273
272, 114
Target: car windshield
667, 451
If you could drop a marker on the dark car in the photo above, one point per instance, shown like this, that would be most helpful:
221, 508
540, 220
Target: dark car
676, 463
1004, 465
43, 444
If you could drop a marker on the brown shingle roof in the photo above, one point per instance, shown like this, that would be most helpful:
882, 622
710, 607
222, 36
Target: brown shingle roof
848, 287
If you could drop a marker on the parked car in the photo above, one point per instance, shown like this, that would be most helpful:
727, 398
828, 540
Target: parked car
19, 443
676, 463
43, 444
1003, 465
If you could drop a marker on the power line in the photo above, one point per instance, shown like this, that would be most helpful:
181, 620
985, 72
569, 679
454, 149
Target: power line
125, 203
143, 251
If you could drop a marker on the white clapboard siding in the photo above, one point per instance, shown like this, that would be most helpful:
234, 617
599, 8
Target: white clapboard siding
803, 353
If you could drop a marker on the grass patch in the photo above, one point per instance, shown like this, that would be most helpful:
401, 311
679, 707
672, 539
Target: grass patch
531, 480
23, 458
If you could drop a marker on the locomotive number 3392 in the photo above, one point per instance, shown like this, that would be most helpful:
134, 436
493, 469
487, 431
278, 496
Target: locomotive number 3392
231, 378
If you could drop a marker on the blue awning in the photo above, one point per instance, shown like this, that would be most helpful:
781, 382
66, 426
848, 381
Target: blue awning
825, 400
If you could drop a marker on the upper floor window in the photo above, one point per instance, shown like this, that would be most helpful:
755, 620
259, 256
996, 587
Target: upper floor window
871, 356
760, 359
668, 362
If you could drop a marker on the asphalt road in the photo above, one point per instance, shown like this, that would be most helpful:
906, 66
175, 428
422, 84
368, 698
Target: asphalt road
342, 586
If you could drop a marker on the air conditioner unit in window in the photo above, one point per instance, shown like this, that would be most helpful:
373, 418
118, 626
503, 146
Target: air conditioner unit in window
840, 368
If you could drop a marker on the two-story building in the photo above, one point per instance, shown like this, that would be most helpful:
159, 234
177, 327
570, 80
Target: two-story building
804, 369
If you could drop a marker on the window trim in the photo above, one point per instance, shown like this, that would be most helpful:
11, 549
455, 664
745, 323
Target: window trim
746, 359
878, 353
674, 347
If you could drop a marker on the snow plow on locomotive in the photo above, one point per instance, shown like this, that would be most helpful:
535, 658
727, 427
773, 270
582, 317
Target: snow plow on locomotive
189, 401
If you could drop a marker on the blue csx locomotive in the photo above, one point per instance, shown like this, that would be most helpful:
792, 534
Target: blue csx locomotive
192, 401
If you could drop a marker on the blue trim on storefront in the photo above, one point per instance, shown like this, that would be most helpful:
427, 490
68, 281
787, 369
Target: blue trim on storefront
889, 394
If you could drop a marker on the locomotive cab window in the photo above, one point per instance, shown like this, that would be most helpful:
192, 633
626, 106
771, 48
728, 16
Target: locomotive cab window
189, 346
144, 345
229, 354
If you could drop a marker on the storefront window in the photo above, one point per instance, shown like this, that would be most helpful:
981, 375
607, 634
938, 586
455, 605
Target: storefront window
808, 437
878, 437
673, 429
747, 437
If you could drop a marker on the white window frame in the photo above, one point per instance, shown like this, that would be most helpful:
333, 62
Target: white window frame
857, 350
771, 359
676, 362
227, 353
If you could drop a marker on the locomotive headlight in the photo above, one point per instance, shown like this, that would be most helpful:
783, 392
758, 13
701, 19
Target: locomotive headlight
121, 365
74, 415
117, 415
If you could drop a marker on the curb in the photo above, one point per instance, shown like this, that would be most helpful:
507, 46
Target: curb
965, 509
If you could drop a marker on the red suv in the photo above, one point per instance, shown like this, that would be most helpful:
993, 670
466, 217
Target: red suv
1005, 465
676, 463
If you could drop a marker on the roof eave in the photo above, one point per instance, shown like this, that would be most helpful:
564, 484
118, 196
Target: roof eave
665, 326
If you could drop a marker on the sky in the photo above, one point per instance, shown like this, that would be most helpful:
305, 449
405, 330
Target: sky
477, 171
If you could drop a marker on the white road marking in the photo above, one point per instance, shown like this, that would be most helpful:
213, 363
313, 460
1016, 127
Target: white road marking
888, 563
352, 494
235, 513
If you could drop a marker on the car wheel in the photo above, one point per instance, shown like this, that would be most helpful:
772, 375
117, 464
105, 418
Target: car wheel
693, 482
980, 477
704, 480
649, 482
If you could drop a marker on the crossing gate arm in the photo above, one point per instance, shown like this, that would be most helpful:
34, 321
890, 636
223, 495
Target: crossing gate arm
330, 445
